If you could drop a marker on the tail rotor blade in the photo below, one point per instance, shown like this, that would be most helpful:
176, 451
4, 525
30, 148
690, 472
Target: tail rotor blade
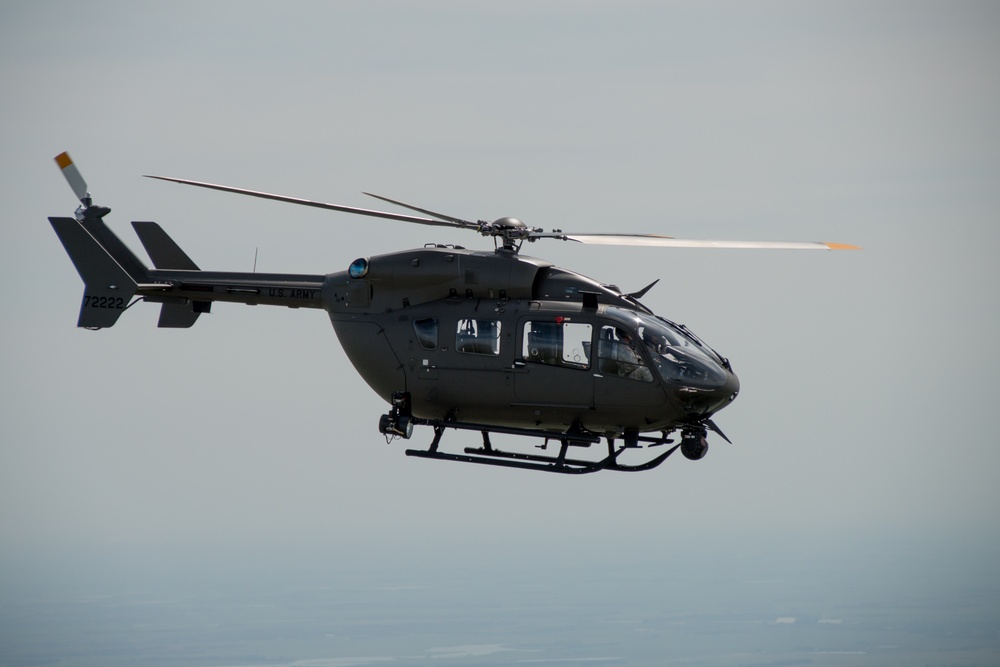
73, 177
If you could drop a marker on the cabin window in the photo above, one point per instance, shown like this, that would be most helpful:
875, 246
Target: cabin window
557, 343
618, 354
426, 331
478, 337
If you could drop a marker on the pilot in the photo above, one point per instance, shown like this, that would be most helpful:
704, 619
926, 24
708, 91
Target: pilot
630, 363
656, 342
623, 336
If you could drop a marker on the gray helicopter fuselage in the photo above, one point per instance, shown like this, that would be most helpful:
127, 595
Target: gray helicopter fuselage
504, 339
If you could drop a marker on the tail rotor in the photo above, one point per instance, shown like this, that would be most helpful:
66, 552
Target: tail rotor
79, 187
109, 270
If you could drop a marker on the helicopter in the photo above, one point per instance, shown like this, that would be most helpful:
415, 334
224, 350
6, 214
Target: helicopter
452, 338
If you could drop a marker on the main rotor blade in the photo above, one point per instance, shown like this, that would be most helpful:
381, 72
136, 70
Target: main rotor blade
73, 176
670, 242
458, 221
315, 204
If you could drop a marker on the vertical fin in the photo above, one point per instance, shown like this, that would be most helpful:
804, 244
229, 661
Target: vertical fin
107, 286
162, 249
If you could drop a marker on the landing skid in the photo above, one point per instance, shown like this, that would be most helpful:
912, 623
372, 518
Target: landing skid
561, 463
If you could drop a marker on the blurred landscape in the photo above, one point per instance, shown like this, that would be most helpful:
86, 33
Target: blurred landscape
914, 606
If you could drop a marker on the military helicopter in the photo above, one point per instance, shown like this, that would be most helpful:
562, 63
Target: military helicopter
452, 338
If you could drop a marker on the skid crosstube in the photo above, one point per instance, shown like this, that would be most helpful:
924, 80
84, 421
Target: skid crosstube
487, 455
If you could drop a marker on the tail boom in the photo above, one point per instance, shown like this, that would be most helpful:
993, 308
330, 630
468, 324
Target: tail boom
112, 275
264, 289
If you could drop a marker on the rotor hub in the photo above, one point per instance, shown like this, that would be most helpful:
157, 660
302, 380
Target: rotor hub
508, 223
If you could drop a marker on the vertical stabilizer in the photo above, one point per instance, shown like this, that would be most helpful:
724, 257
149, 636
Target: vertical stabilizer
107, 286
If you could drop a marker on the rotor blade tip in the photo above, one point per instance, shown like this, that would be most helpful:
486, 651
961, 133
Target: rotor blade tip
63, 160
841, 246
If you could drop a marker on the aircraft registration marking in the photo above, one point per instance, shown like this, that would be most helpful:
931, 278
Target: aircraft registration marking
112, 302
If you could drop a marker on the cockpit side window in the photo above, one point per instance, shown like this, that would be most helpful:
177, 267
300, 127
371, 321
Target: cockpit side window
618, 354
677, 356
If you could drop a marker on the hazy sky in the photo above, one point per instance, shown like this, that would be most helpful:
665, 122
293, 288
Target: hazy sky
869, 379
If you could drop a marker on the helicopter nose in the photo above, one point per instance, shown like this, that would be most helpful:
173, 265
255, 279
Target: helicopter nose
703, 400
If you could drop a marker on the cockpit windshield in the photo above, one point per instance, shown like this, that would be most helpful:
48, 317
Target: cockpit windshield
677, 353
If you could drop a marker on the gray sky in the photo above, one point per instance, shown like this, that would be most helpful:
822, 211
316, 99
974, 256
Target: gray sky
868, 379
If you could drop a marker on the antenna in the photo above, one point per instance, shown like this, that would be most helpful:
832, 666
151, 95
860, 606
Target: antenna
255, 259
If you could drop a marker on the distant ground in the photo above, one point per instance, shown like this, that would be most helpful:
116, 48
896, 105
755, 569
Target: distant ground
726, 611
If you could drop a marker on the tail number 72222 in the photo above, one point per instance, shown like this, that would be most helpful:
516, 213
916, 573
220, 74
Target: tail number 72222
116, 302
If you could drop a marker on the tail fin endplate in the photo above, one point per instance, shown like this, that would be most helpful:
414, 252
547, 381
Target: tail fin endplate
166, 254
